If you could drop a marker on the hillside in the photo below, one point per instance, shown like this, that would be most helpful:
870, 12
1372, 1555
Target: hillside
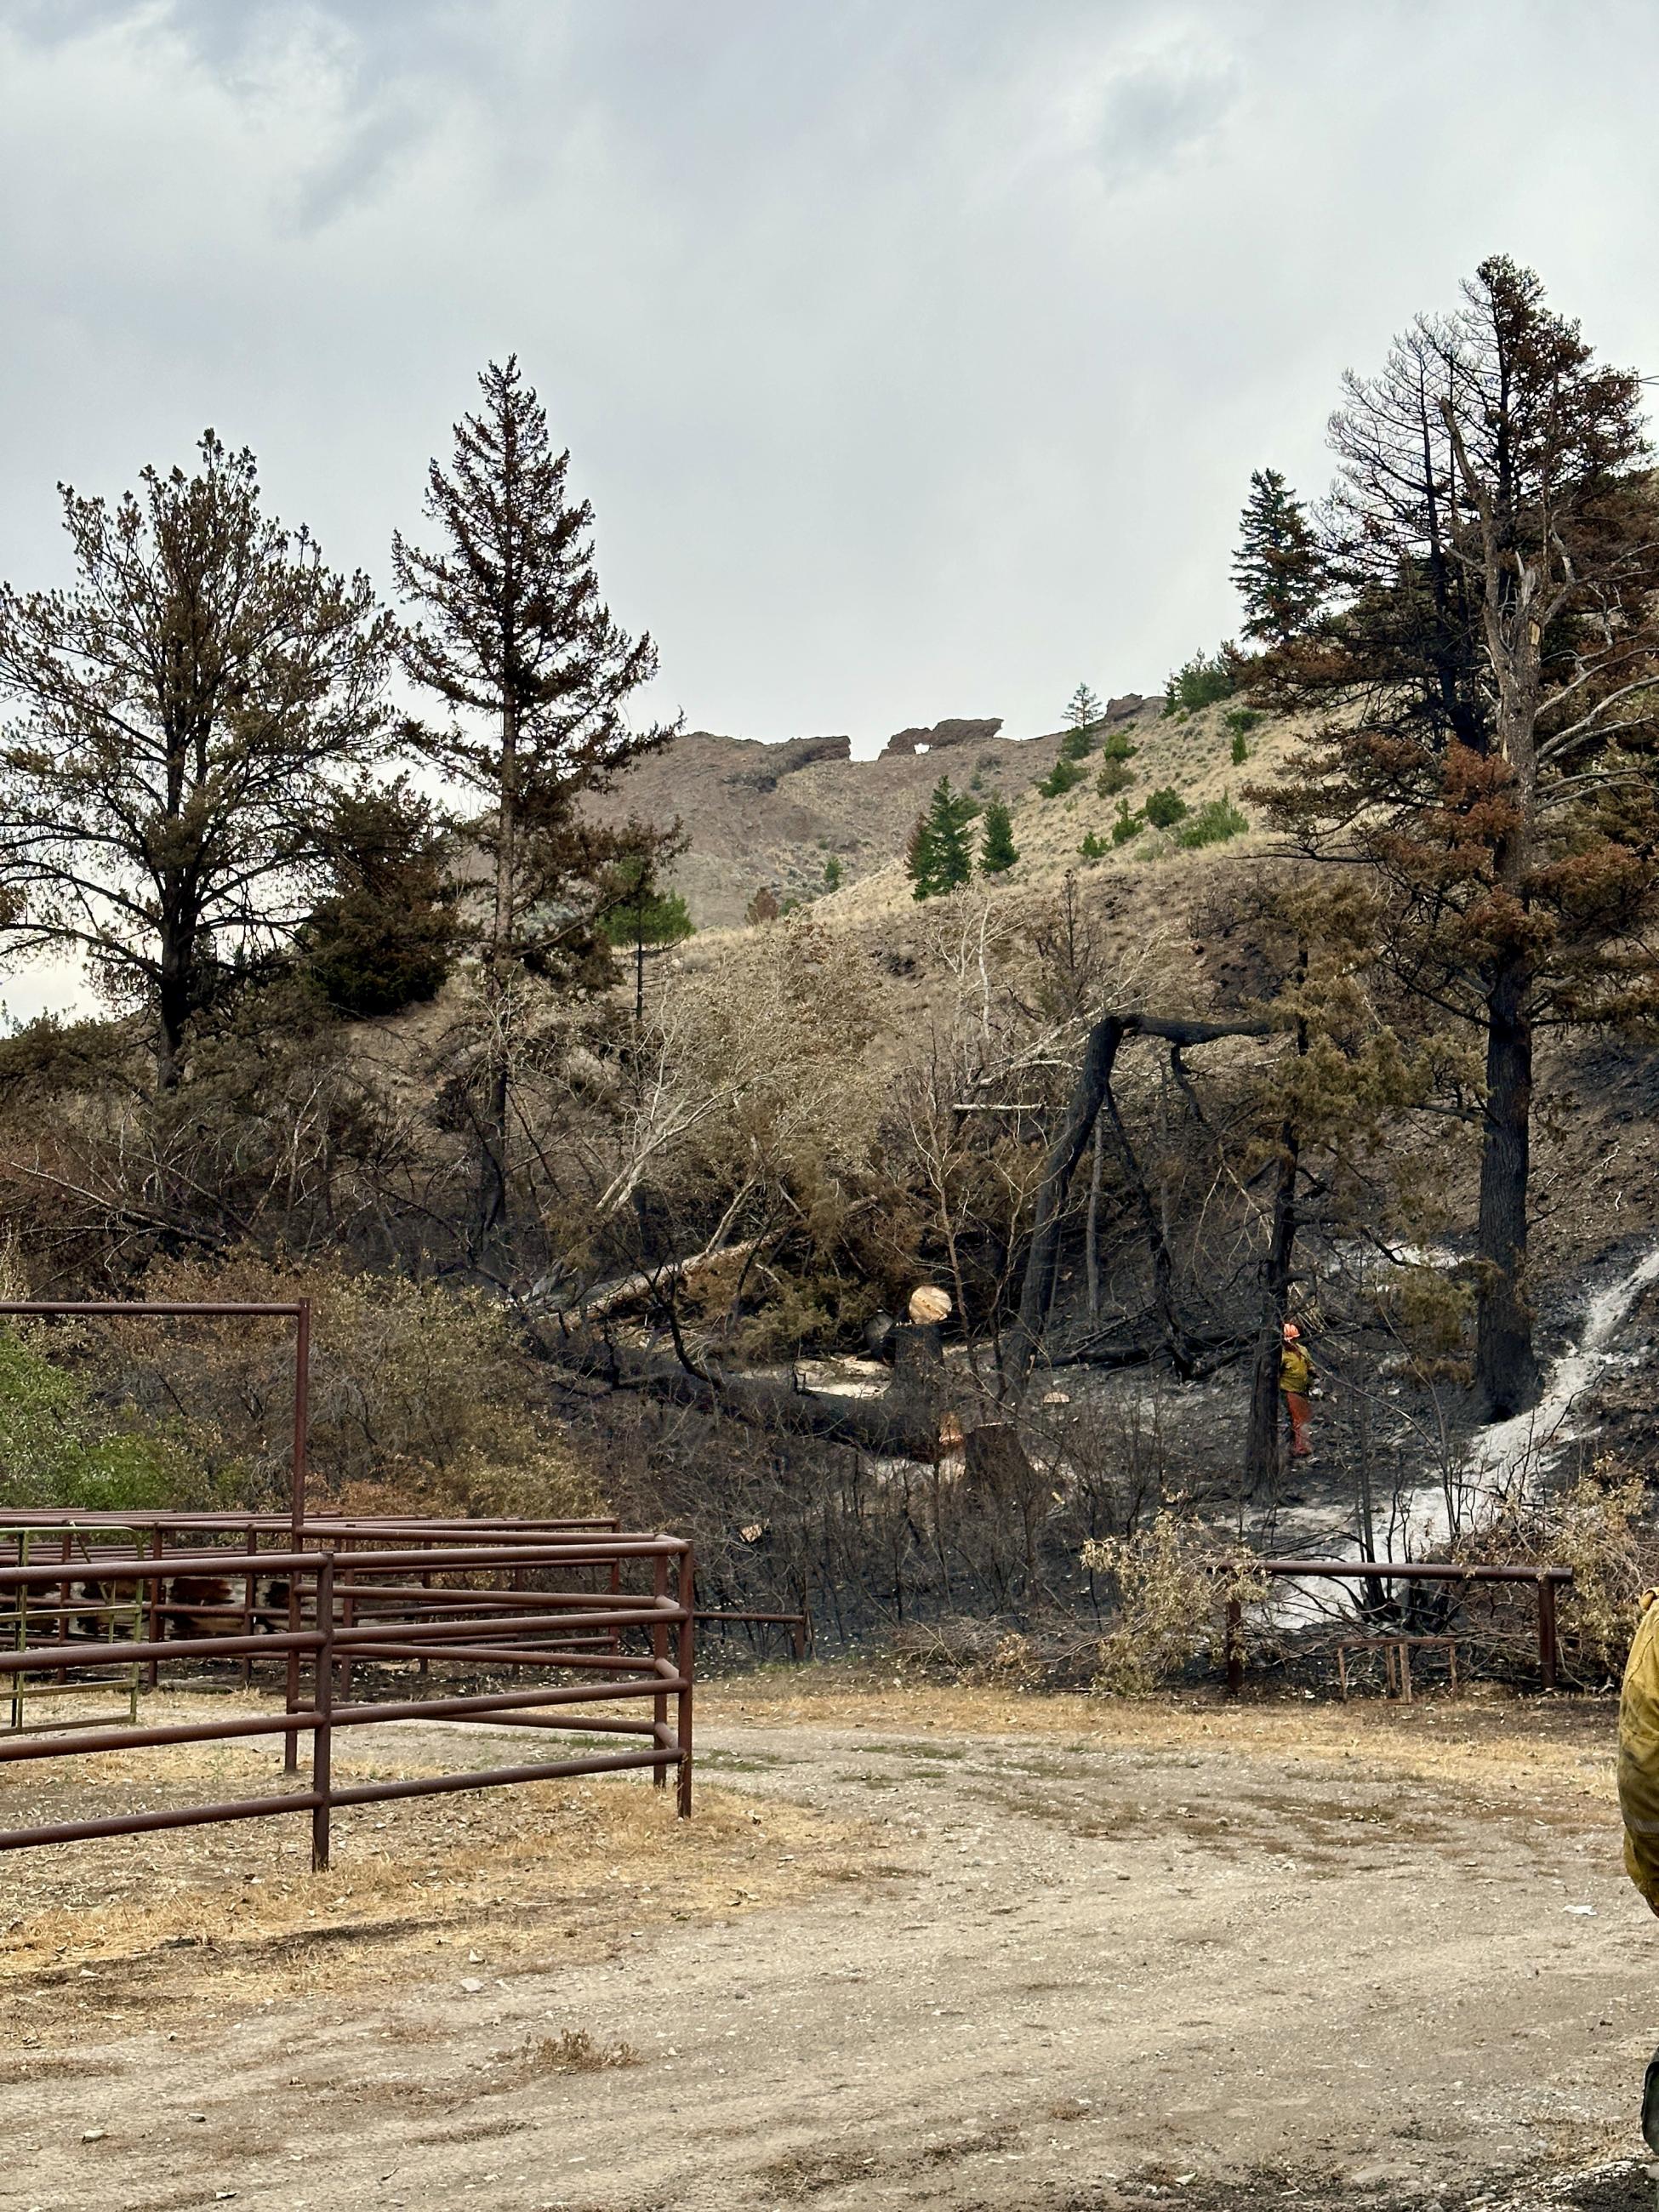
774, 815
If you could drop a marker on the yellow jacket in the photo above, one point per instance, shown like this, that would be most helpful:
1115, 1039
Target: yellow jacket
1638, 1754
1295, 1369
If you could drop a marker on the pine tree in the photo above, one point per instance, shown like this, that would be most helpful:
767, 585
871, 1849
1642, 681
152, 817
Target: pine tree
189, 706
997, 851
1484, 692
1083, 709
643, 918
386, 935
1278, 570
940, 857
511, 630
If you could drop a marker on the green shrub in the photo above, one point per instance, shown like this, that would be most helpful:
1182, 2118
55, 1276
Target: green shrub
832, 874
1114, 777
1241, 720
389, 930
1165, 807
1126, 825
1117, 746
1061, 778
1240, 750
1216, 821
52, 1453
1199, 682
1093, 847
1077, 745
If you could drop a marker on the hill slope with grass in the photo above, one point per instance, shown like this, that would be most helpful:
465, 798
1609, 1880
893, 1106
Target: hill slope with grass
803, 820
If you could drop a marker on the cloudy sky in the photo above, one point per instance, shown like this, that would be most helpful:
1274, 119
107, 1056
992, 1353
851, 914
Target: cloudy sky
914, 353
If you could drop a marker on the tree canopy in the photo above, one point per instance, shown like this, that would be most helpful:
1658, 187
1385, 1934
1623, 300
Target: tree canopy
1485, 674
185, 712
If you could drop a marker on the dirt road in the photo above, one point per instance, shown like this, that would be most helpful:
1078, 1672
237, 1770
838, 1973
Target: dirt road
1155, 1955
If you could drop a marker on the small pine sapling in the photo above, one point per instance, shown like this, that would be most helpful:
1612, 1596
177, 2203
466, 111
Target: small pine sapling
998, 852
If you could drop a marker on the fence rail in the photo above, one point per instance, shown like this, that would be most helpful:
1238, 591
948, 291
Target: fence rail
442, 1595
1547, 1580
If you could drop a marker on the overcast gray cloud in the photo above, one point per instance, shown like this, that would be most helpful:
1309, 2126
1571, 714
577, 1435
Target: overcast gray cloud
914, 355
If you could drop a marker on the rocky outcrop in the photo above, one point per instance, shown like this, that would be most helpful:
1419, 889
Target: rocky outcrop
1120, 710
954, 732
776, 761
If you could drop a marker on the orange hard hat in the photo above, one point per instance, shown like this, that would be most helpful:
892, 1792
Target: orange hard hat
1291, 1332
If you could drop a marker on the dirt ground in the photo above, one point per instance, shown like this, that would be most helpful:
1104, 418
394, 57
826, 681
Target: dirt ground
921, 1946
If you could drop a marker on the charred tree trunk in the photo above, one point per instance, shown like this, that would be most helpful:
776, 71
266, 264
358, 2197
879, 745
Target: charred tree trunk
1263, 1449
1091, 1233
1506, 1365
1264, 1445
493, 1187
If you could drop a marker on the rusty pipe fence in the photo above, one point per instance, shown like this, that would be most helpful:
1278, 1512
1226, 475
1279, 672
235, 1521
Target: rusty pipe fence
580, 1619
1549, 1582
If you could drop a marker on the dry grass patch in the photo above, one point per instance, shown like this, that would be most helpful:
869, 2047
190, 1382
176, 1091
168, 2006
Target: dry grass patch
1487, 1738
466, 1888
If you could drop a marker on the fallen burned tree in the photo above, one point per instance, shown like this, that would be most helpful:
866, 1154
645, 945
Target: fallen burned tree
903, 1422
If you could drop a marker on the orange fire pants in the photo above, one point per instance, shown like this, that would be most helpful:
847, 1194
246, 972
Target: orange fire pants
1300, 1412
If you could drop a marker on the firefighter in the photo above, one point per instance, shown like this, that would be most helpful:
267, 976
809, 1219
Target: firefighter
1296, 1374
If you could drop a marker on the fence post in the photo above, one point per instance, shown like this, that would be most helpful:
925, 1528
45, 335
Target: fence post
1546, 1635
660, 1653
322, 1734
685, 1660
1235, 1646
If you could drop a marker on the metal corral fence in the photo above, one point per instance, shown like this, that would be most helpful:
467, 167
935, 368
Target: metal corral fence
580, 1617
1547, 1582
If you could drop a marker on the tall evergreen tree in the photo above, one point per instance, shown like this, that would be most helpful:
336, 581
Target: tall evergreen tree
1083, 709
997, 850
512, 635
1278, 568
1487, 681
187, 709
940, 856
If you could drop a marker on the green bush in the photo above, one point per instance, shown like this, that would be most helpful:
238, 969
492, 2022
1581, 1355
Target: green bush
389, 930
1240, 750
1117, 747
1061, 778
1126, 825
52, 1453
1242, 720
1165, 807
1216, 821
1114, 777
1093, 847
1199, 682
1077, 745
